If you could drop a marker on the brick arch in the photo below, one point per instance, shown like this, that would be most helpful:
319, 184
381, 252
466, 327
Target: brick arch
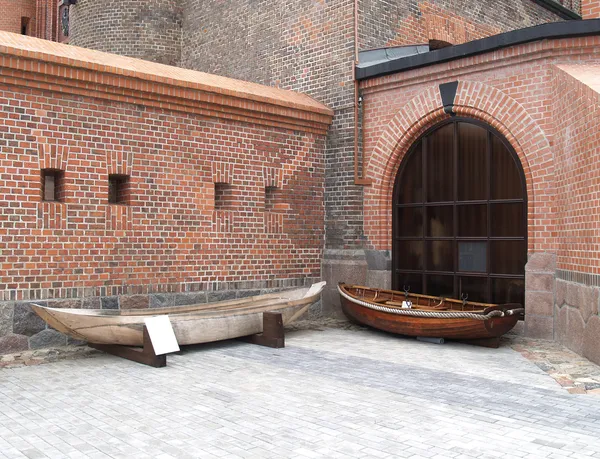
473, 100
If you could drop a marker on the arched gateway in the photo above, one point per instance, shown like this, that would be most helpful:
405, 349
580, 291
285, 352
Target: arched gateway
460, 215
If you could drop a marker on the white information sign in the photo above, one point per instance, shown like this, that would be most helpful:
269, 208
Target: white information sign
161, 334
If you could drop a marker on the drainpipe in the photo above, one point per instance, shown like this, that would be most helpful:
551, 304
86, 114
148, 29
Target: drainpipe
359, 179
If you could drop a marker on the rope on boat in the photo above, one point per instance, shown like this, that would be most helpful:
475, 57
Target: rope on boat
439, 315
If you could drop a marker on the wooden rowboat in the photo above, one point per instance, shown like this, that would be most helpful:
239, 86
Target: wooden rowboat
193, 324
428, 316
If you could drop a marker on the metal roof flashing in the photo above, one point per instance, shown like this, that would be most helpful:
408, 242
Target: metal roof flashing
555, 30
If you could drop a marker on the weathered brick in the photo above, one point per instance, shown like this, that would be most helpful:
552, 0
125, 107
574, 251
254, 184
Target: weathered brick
146, 29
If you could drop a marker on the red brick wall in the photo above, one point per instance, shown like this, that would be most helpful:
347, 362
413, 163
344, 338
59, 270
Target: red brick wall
225, 192
11, 12
170, 233
303, 45
577, 137
576, 104
590, 9
544, 98
407, 23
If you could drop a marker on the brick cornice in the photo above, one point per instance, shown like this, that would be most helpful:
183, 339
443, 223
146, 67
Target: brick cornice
39, 64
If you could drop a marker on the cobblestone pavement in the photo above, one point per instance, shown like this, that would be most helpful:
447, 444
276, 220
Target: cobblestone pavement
575, 373
332, 393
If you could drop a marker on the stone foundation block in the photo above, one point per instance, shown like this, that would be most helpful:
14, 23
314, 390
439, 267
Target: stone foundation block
341, 266
247, 293
220, 296
66, 304
47, 338
561, 323
379, 279
109, 302
6, 318
13, 343
378, 260
185, 299
591, 340
561, 292
25, 321
91, 303
541, 262
575, 331
161, 300
331, 304
539, 282
541, 327
350, 272
539, 303
573, 297
134, 302
588, 301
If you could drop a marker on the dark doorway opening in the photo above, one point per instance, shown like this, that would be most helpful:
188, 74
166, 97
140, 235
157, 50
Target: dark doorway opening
460, 216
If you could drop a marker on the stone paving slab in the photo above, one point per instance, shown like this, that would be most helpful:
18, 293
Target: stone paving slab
331, 393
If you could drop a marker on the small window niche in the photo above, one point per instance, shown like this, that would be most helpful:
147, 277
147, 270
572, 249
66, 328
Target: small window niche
271, 194
24, 25
118, 189
52, 185
223, 196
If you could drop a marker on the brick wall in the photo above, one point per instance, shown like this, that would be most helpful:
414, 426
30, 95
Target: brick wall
302, 45
11, 12
308, 46
590, 9
219, 197
576, 103
395, 23
544, 98
47, 19
146, 29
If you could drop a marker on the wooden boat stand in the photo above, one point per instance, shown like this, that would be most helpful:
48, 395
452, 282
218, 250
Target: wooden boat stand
272, 336
144, 355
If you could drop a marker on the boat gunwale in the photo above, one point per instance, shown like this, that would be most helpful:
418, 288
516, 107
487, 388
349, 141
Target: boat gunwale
226, 305
485, 307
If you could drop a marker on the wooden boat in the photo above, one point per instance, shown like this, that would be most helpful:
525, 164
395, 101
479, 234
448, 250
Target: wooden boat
193, 324
428, 316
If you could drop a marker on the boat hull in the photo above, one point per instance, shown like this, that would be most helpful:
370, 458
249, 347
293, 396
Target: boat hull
219, 321
431, 327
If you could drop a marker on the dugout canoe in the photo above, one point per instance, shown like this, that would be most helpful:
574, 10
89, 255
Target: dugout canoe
428, 316
192, 324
